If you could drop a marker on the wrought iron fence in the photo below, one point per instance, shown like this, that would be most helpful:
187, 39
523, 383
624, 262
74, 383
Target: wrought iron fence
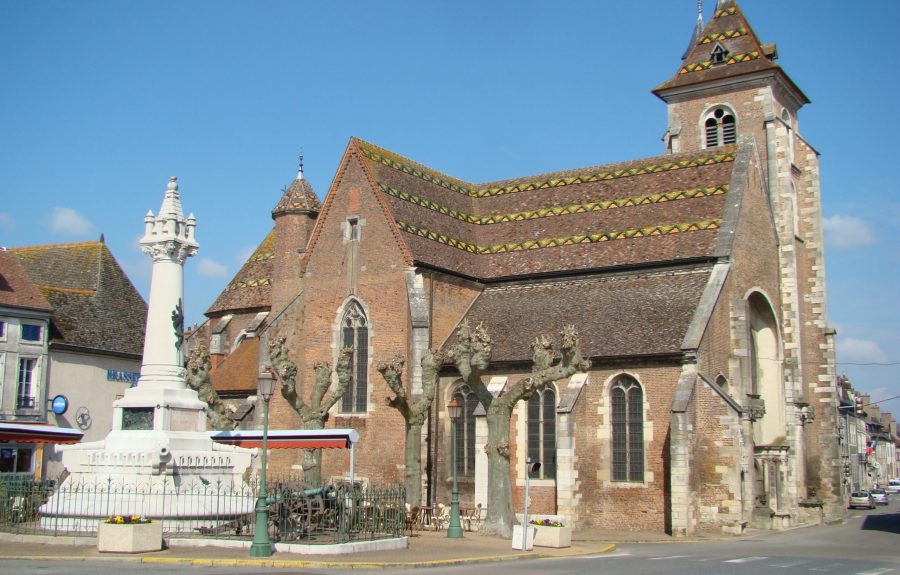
298, 512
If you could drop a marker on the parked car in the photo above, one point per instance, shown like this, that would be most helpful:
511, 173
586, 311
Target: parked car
861, 499
879, 496
893, 486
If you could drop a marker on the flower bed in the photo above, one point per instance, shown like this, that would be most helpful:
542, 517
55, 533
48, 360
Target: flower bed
127, 519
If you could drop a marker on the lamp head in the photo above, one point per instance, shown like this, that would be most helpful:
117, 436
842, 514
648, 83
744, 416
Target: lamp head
454, 409
266, 385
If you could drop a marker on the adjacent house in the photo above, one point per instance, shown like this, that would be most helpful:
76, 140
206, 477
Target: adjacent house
24, 324
90, 344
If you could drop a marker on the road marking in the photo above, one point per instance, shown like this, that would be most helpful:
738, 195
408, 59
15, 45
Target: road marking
601, 556
875, 571
794, 564
668, 557
745, 559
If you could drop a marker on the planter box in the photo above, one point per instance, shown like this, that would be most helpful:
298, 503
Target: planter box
553, 536
517, 538
129, 538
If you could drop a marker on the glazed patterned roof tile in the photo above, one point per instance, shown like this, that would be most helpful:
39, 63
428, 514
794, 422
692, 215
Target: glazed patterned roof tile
94, 303
638, 313
546, 223
299, 197
745, 54
250, 288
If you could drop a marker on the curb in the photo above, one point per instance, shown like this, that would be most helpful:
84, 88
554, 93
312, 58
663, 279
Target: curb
283, 563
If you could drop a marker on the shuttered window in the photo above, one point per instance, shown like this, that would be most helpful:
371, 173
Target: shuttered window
719, 128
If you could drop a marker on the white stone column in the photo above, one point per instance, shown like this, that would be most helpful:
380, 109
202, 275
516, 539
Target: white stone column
169, 240
162, 403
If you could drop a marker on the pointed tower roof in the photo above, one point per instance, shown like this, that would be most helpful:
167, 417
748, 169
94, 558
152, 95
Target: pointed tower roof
726, 49
298, 198
698, 30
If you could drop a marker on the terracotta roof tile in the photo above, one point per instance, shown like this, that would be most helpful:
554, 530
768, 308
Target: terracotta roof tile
16, 288
635, 313
94, 303
251, 287
238, 371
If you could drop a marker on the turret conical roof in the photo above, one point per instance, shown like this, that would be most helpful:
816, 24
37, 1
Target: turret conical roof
298, 198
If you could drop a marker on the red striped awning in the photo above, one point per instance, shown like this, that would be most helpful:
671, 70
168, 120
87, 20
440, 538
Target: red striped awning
290, 438
37, 433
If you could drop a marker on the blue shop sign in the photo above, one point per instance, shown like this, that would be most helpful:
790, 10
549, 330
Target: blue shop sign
59, 404
130, 376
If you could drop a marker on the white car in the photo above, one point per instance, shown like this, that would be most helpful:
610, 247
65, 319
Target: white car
861, 499
893, 486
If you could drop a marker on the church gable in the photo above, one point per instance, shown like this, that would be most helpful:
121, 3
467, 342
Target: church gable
355, 222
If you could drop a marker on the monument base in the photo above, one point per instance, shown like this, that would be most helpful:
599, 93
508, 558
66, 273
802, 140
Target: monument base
184, 481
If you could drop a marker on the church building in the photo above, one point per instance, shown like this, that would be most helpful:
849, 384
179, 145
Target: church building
695, 280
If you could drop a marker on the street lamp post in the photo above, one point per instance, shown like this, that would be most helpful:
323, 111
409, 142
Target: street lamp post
261, 546
454, 531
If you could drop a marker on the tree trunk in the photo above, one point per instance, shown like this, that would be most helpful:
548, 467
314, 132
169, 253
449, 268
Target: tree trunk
499, 520
312, 458
413, 473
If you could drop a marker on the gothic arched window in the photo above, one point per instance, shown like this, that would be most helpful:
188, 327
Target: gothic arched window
355, 334
719, 128
542, 432
465, 432
627, 430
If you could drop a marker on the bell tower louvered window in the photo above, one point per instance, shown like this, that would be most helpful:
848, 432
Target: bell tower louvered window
627, 430
720, 128
355, 334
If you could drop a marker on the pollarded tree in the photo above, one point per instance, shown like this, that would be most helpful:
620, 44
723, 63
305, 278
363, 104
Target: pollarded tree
414, 413
472, 355
218, 416
315, 413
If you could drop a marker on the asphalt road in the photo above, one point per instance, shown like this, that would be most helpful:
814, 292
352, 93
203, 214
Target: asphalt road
868, 543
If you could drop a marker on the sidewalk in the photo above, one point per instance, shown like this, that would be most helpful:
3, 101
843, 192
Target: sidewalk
426, 549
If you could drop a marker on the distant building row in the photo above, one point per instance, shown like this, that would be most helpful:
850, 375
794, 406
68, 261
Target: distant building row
869, 440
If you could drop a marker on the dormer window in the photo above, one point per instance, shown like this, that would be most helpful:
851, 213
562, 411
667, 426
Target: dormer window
718, 55
719, 128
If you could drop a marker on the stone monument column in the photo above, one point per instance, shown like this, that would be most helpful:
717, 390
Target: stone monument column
169, 240
162, 402
158, 460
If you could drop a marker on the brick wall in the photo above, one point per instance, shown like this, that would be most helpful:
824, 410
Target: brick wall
381, 289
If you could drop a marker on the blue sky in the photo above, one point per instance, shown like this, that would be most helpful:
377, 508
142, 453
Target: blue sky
103, 101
